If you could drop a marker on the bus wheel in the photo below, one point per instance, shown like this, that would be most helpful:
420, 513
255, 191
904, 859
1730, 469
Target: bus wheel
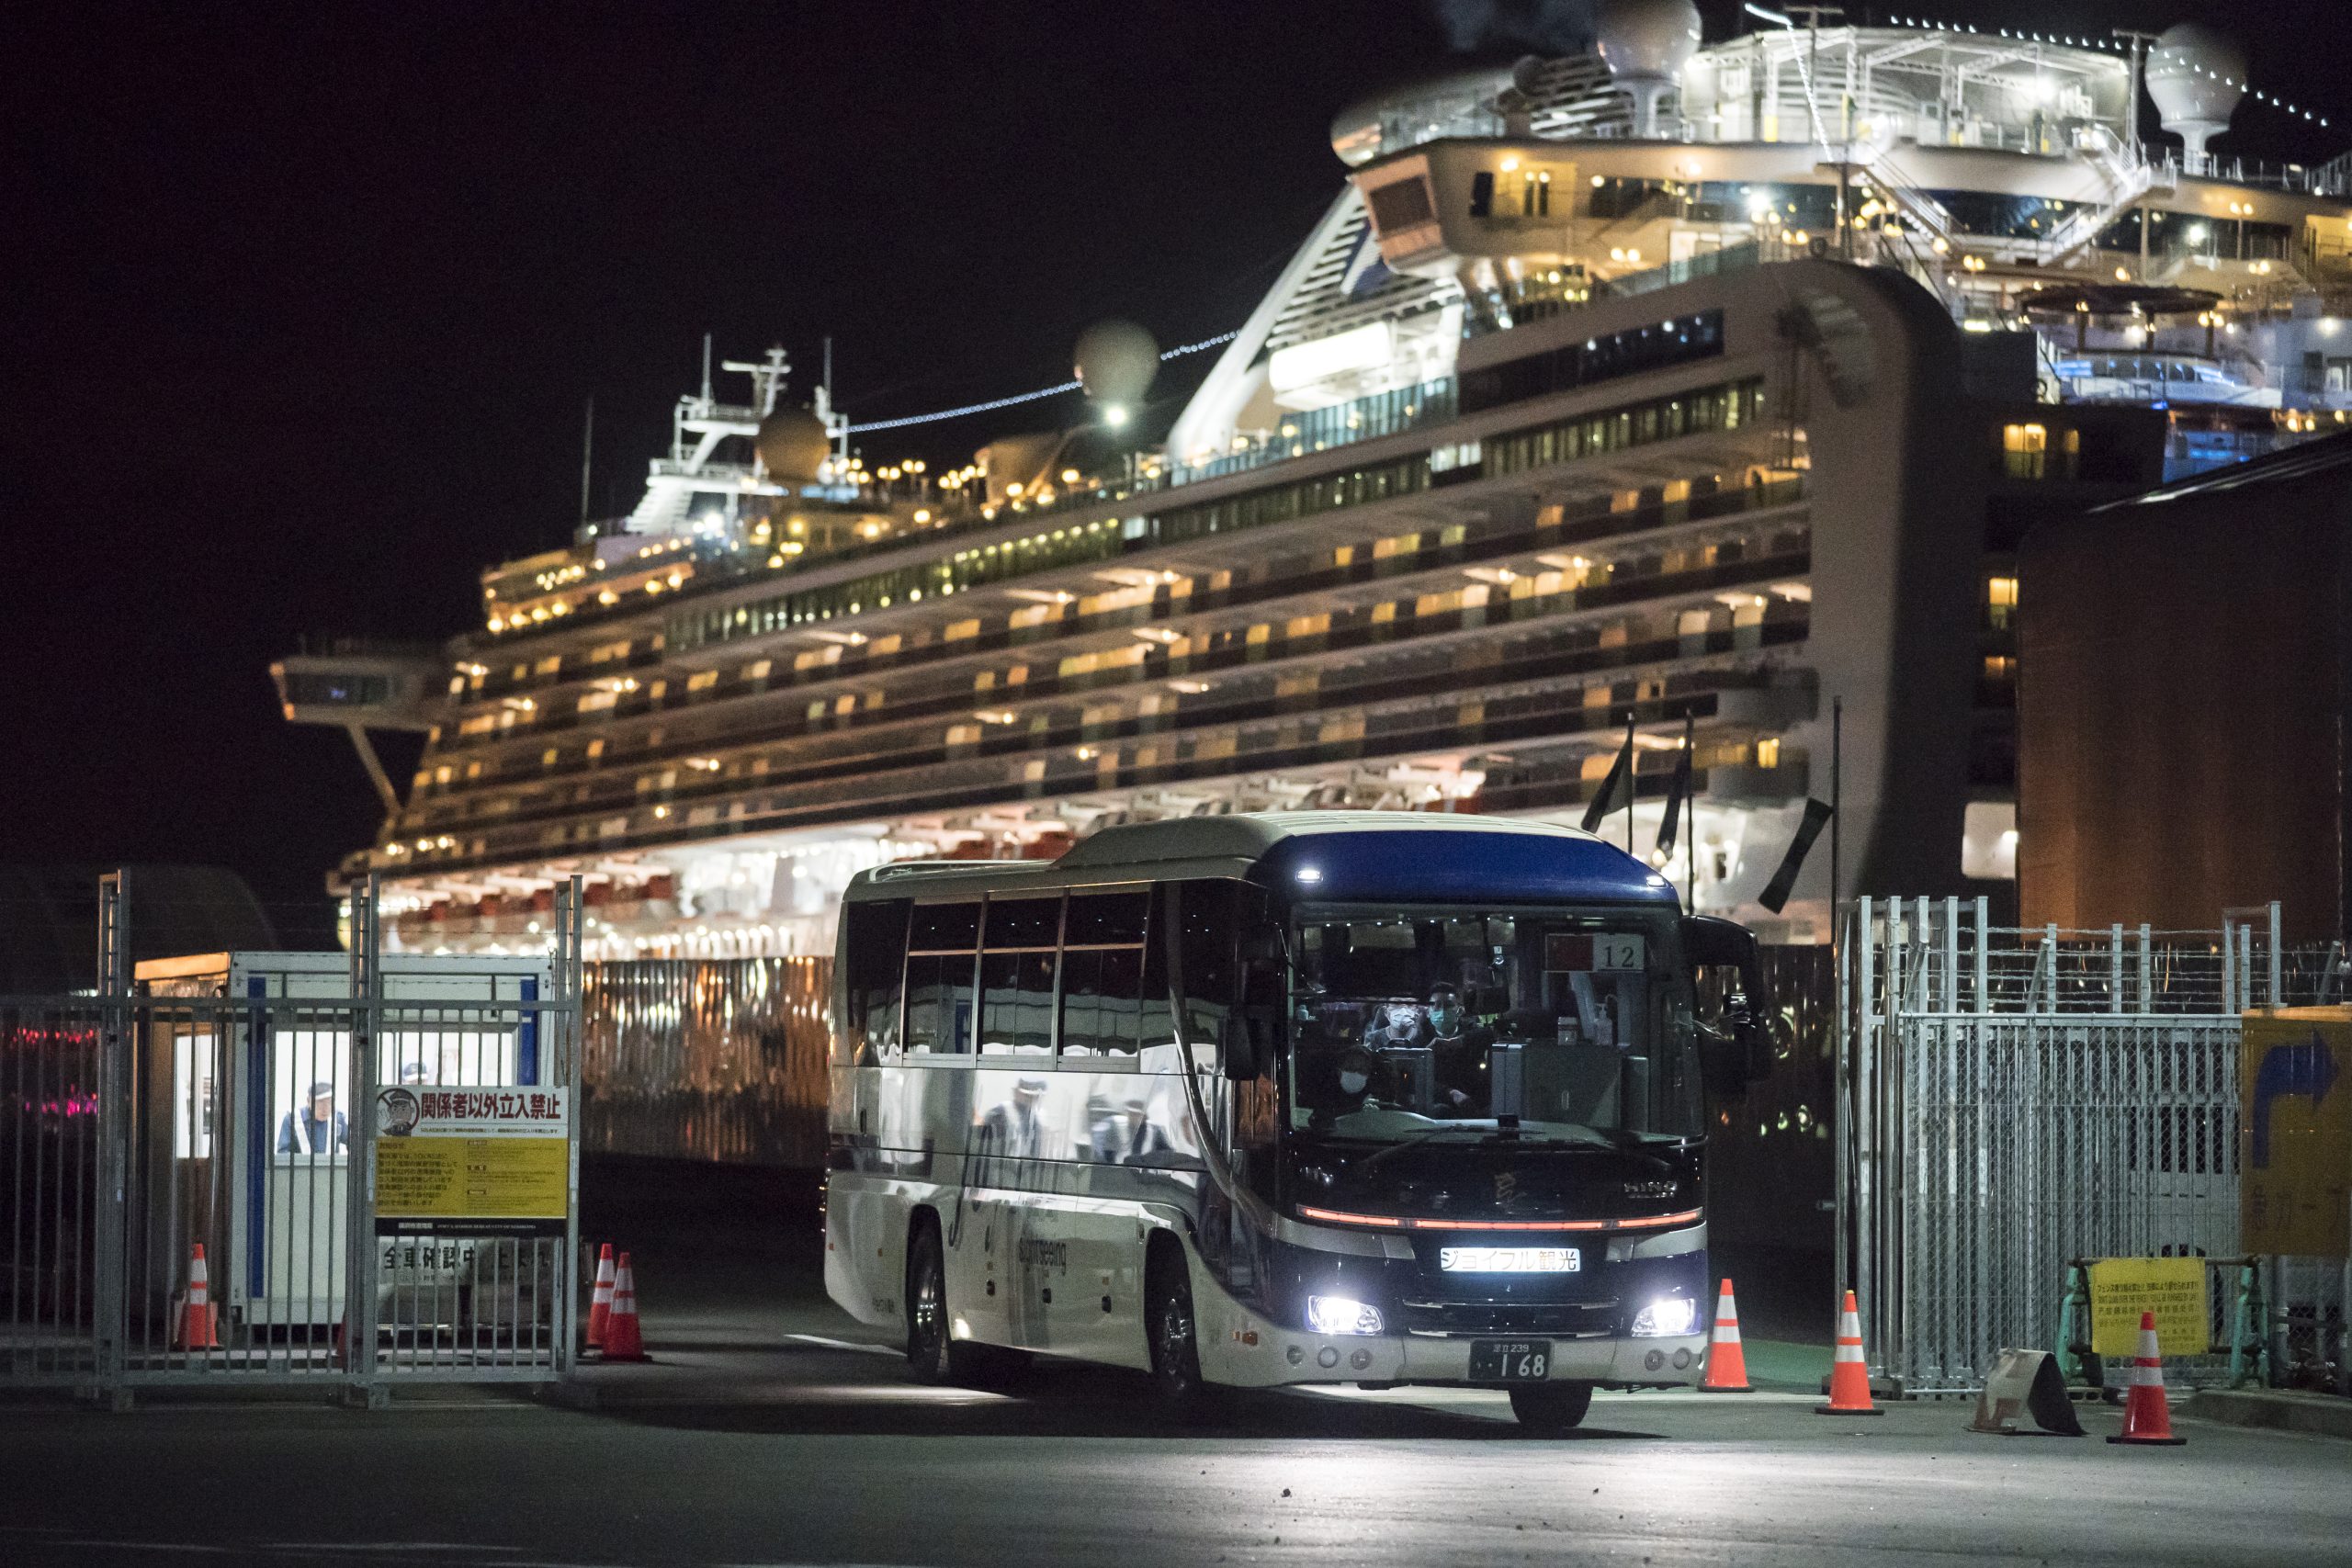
1175, 1352
927, 1344
1552, 1406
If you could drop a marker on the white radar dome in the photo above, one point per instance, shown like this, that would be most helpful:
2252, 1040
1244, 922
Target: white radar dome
2196, 77
1646, 40
791, 445
1646, 44
1116, 362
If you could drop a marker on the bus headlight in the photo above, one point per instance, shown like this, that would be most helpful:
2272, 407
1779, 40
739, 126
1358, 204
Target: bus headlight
1670, 1315
1339, 1315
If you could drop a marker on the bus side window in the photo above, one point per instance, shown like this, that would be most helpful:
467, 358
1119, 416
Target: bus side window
874, 946
941, 951
1205, 913
1102, 966
1017, 976
1157, 1016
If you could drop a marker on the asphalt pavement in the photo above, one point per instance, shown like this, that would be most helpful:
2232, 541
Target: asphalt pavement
770, 1430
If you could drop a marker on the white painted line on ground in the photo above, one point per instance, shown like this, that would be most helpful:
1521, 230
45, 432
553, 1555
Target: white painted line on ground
861, 1347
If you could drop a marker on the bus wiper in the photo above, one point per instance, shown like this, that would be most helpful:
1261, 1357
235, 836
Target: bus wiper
1378, 1154
1497, 1134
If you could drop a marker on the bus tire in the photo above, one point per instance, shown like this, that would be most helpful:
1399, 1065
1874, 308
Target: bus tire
1171, 1329
931, 1353
1551, 1407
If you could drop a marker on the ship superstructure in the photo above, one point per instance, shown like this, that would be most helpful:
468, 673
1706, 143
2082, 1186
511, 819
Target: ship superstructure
1689, 391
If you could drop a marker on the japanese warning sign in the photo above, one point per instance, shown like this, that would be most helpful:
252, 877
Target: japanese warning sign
497, 1158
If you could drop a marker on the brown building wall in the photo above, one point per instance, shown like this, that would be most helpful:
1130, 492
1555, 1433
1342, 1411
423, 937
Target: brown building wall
2181, 701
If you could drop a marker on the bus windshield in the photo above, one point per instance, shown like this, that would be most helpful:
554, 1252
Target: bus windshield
1568, 1025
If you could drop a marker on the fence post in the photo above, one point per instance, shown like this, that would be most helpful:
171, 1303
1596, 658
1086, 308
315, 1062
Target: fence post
1984, 957
109, 1304
572, 1024
361, 1266
2277, 1000
2229, 967
1951, 954
2114, 967
2147, 972
1857, 1105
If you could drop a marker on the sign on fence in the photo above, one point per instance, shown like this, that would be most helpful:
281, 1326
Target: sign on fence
494, 1158
2172, 1288
2297, 1174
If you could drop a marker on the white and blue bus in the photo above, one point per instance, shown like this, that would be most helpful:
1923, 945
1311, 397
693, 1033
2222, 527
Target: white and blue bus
1250, 1100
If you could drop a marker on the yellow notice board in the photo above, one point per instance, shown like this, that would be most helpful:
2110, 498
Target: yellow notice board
471, 1179
2172, 1288
2295, 1180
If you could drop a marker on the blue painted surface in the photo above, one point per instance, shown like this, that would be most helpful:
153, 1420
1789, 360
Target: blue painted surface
261, 1139
1414, 865
527, 1044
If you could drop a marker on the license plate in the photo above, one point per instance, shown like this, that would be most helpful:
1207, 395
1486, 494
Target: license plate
1510, 1360
1509, 1259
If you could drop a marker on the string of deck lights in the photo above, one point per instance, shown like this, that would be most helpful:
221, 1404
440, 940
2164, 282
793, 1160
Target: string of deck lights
2115, 45
1053, 391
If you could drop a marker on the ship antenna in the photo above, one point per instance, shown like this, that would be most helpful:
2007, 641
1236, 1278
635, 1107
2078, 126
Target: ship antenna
706, 368
587, 458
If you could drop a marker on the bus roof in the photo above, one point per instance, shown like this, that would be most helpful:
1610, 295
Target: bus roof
1321, 855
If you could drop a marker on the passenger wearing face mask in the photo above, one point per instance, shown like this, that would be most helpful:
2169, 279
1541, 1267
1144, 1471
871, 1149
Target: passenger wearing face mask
1460, 1045
1346, 1087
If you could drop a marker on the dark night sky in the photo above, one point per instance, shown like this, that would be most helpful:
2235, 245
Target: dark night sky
307, 297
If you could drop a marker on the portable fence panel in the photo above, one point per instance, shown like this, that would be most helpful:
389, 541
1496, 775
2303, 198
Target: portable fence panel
186, 1172
2015, 1099
2030, 1141
50, 1146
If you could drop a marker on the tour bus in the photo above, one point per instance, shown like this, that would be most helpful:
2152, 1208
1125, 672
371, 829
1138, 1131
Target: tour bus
1299, 1097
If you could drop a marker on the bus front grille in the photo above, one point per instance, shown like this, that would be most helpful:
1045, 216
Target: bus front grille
1555, 1320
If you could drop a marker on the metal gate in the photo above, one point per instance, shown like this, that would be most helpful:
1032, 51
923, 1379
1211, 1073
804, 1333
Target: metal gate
2014, 1100
189, 1183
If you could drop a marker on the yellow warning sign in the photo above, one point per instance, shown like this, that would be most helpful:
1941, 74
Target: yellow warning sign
2172, 1288
471, 1179
2295, 1181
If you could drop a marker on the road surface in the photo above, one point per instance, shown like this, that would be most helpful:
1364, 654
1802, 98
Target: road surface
767, 1432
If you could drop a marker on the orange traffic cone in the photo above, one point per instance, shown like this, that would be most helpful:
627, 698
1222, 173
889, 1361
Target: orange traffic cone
1849, 1380
199, 1321
600, 1303
1726, 1362
623, 1341
2146, 1419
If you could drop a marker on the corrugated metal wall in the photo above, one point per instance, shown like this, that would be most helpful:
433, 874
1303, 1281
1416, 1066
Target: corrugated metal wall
707, 1058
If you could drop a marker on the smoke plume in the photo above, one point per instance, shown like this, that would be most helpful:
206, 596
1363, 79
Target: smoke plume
1520, 26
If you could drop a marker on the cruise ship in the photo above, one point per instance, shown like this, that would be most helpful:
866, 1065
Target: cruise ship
1692, 390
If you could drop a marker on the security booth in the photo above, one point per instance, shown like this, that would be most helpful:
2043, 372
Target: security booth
242, 1136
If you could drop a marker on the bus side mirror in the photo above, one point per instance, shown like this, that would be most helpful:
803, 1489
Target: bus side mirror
1245, 1045
1741, 1051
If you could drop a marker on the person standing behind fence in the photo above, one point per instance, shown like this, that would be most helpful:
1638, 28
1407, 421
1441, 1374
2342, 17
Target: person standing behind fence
316, 1127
